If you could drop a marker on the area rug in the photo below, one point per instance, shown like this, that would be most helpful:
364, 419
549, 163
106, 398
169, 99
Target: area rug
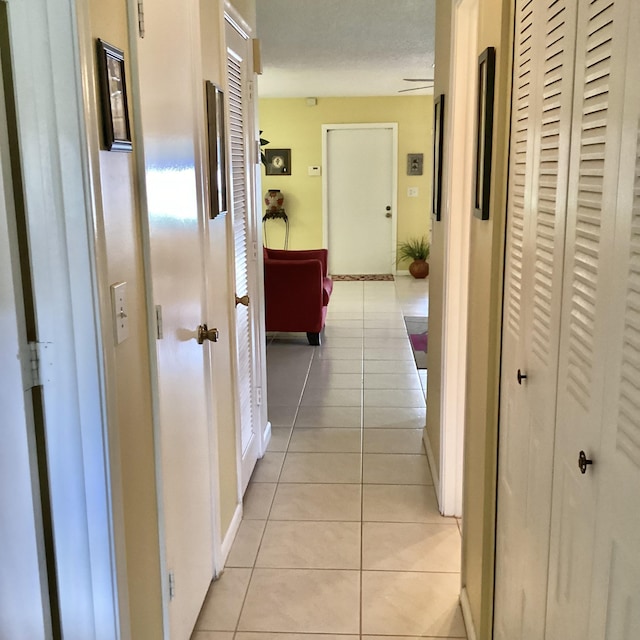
367, 277
418, 331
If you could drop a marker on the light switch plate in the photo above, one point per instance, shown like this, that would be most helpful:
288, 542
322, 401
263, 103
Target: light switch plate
314, 171
120, 311
412, 192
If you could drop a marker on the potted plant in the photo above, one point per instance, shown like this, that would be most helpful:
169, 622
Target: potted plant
416, 250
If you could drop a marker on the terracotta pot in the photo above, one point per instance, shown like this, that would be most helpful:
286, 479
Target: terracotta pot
419, 268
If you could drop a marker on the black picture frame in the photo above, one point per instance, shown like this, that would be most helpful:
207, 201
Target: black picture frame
484, 133
216, 130
116, 130
438, 151
278, 162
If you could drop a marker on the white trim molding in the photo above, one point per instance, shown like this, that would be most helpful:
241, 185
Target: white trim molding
465, 605
230, 536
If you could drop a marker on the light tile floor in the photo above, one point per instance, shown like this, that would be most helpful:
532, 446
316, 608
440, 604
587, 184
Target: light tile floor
341, 536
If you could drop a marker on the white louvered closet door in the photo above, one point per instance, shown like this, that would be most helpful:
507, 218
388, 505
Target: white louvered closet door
615, 596
590, 301
238, 61
541, 127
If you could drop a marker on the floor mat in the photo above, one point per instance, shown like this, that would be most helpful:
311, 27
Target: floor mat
367, 277
418, 331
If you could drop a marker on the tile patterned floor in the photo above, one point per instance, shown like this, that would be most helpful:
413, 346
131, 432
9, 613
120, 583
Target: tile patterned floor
341, 536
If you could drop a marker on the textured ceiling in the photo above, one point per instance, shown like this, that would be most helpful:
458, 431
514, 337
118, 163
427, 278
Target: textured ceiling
344, 47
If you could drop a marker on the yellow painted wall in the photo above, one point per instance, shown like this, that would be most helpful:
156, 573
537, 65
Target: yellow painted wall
118, 224
291, 124
221, 291
483, 339
120, 245
437, 256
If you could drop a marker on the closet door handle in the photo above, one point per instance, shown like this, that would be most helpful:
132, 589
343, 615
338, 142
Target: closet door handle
583, 462
521, 376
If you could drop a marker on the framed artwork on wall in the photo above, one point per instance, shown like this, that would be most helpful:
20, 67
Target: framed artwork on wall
484, 133
438, 147
278, 162
414, 164
217, 150
116, 132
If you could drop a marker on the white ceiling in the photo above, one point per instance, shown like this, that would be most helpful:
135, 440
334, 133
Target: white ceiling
322, 48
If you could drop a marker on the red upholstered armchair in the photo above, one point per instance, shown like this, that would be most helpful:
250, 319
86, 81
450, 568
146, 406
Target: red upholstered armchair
297, 291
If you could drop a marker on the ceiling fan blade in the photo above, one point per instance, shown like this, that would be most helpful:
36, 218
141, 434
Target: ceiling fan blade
413, 89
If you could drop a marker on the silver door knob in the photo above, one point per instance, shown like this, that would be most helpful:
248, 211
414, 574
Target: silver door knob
204, 333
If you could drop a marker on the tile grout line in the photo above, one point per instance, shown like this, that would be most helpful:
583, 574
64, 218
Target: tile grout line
361, 612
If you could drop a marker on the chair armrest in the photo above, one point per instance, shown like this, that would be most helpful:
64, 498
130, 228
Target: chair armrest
302, 254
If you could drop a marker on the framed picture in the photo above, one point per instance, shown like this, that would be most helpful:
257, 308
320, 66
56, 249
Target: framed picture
217, 150
484, 133
438, 150
278, 162
113, 89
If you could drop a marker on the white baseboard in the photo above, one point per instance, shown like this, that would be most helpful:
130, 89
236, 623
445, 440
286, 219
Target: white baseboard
231, 533
266, 437
465, 605
432, 465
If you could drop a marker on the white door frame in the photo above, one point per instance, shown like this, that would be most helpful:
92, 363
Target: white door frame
457, 200
234, 20
83, 480
326, 128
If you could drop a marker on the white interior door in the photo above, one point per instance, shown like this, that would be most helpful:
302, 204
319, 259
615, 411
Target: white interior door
178, 261
24, 602
238, 78
360, 169
540, 132
586, 331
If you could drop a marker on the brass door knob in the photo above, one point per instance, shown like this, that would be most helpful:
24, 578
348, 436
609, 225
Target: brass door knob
204, 333
244, 300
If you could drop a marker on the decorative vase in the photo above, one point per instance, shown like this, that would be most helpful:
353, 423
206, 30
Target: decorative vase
419, 268
274, 200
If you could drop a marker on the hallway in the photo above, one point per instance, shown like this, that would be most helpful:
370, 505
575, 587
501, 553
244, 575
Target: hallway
341, 536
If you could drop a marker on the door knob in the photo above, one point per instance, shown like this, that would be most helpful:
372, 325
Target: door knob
244, 300
583, 462
388, 214
521, 376
204, 333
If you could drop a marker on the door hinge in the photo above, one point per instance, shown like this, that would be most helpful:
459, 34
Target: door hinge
258, 153
254, 251
250, 89
258, 396
34, 366
141, 18
172, 585
159, 330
